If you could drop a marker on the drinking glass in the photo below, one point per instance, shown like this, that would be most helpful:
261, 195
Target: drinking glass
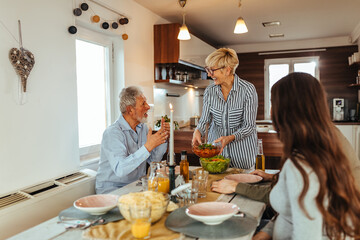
146, 183
140, 215
201, 176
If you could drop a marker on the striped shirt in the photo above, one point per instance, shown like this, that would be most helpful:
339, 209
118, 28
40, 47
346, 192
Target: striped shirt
235, 116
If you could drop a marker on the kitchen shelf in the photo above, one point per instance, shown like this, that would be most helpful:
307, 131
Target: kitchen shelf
195, 83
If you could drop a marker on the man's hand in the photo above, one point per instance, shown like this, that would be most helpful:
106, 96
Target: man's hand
165, 126
156, 139
224, 186
196, 140
266, 176
225, 140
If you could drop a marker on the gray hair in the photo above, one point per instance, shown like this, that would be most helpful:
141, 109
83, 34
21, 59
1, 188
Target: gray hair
128, 97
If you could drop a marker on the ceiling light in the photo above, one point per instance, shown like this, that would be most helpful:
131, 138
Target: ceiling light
276, 35
184, 32
240, 26
271, 24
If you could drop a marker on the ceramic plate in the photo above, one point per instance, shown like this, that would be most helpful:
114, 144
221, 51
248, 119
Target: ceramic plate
212, 213
97, 204
244, 178
233, 227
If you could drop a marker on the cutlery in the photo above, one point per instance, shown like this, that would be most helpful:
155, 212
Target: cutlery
99, 220
240, 214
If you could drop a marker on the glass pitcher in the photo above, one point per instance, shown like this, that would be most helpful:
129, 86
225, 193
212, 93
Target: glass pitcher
158, 177
162, 177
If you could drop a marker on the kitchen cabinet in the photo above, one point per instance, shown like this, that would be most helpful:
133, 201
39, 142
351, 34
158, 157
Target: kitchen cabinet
352, 134
179, 62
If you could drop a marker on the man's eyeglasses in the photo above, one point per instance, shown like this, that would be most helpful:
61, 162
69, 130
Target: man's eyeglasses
211, 71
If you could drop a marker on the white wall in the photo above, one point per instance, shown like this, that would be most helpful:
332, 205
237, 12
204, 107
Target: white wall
39, 140
187, 105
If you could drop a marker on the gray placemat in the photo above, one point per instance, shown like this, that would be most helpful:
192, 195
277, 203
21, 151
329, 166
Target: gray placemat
111, 216
178, 221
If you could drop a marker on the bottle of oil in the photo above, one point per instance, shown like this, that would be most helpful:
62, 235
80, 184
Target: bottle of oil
260, 158
184, 166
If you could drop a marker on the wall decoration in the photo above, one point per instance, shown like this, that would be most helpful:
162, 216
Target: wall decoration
22, 60
95, 18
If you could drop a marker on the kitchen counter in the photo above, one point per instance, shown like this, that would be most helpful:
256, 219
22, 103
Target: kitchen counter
271, 144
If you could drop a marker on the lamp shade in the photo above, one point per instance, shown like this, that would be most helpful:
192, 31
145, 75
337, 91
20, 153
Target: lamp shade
240, 26
184, 33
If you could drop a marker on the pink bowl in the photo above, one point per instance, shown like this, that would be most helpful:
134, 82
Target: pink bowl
96, 204
212, 213
244, 178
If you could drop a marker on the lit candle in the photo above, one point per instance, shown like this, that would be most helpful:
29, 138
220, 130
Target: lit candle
171, 146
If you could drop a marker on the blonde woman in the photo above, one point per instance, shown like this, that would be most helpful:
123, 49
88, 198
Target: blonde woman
230, 108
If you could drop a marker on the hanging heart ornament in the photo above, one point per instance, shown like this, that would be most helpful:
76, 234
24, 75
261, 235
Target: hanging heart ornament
23, 61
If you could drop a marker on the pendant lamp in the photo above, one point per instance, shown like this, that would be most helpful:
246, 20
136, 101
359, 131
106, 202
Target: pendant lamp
240, 26
184, 32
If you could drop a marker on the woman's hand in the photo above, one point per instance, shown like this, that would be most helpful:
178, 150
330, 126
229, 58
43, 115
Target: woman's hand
196, 140
224, 186
225, 140
261, 236
266, 176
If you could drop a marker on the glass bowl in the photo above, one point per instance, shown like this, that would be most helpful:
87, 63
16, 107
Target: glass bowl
216, 164
159, 202
207, 150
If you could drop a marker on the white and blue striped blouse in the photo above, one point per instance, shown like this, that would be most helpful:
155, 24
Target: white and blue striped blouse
235, 116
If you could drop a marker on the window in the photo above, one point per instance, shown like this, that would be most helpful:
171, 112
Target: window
93, 91
275, 69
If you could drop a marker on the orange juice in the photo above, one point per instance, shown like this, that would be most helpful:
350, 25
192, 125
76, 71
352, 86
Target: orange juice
163, 185
140, 228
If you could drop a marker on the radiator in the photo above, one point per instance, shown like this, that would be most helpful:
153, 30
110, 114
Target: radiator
28, 207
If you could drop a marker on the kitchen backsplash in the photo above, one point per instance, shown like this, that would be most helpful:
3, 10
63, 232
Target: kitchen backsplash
188, 103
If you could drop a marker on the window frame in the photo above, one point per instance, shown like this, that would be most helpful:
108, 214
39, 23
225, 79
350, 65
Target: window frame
290, 62
93, 151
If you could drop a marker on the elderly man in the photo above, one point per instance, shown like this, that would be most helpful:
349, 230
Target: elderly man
128, 144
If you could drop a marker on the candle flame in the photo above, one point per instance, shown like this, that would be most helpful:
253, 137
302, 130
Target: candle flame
170, 105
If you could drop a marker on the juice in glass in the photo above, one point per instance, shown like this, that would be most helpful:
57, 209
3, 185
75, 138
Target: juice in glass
140, 228
163, 185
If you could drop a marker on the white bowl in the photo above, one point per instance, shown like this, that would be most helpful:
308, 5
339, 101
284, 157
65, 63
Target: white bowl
212, 213
262, 128
244, 178
97, 204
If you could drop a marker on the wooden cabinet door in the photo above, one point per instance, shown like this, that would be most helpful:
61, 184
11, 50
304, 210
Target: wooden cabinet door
166, 44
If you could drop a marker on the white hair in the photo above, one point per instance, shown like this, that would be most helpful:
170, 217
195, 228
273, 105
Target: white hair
128, 97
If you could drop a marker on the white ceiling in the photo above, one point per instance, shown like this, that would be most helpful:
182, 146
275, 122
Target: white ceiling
214, 20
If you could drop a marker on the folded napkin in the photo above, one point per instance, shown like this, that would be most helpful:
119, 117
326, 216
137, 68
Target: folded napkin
216, 177
122, 230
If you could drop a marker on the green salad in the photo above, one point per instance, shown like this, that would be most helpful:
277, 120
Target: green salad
216, 164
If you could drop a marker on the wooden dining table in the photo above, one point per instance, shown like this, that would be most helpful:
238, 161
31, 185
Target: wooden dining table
50, 229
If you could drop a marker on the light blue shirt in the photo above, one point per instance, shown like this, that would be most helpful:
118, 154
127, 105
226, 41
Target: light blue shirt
123, 155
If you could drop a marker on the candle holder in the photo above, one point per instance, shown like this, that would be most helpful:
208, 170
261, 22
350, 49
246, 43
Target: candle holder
171, 176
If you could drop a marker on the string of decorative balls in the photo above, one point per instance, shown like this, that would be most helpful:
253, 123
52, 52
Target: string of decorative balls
95, 18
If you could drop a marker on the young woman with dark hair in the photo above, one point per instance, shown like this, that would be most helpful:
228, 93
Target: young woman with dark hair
316, 195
